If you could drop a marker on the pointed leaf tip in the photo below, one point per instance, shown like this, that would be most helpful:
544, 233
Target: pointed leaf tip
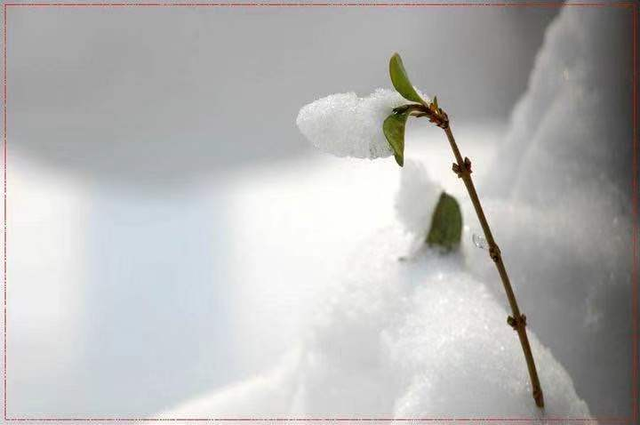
400, 80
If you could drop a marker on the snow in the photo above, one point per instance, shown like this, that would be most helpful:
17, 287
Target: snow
417, 198
347, 125
401, 339
426, 336
572, 128
561, 196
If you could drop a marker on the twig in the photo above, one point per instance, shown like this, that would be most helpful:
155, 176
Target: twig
462, 167
394, 128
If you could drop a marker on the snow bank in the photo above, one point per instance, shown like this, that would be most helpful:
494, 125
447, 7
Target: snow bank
426, 338
347, 125
574, 288
417, 198
401, 339
561, 208
572, 130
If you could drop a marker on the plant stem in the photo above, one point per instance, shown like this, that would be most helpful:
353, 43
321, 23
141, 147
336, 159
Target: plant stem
517, 321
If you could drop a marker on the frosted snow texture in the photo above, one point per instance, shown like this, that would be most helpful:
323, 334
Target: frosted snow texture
401, 340
424, 337
417, 198
573, 127
561, 208
347, 125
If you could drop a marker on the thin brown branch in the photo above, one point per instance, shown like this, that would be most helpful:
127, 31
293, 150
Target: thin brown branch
518, 321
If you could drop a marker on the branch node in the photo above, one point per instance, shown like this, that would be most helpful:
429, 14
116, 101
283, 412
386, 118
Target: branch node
494, 253
517, 323
439, 118
456, 169
462, 170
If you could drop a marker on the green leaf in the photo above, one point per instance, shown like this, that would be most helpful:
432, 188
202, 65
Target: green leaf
393, 128
401, 81
446, 224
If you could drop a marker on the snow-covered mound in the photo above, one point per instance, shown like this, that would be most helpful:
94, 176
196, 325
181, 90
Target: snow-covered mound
347, 125
427, 337
417, 198
571, 132
574, 288
401, 339
559, 201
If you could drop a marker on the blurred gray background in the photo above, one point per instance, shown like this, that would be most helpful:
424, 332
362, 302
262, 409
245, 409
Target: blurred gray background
162, 94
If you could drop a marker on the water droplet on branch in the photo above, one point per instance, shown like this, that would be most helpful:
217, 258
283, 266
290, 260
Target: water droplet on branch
480, 241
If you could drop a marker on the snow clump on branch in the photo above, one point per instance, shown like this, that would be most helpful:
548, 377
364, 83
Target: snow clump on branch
346, 125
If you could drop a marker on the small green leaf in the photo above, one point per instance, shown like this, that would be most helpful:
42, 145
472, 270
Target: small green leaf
446, 224
393, 128
401, 81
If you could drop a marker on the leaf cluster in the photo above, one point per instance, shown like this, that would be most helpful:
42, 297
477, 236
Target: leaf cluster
446, 223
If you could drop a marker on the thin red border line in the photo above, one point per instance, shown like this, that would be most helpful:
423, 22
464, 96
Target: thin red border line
417, 4
518, 420
633, 6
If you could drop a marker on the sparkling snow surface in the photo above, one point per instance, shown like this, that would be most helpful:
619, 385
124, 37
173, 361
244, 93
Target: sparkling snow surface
409, 338
347, 125
426, 336
397, 332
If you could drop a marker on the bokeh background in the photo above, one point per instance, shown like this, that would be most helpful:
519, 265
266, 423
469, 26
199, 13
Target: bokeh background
169, 229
